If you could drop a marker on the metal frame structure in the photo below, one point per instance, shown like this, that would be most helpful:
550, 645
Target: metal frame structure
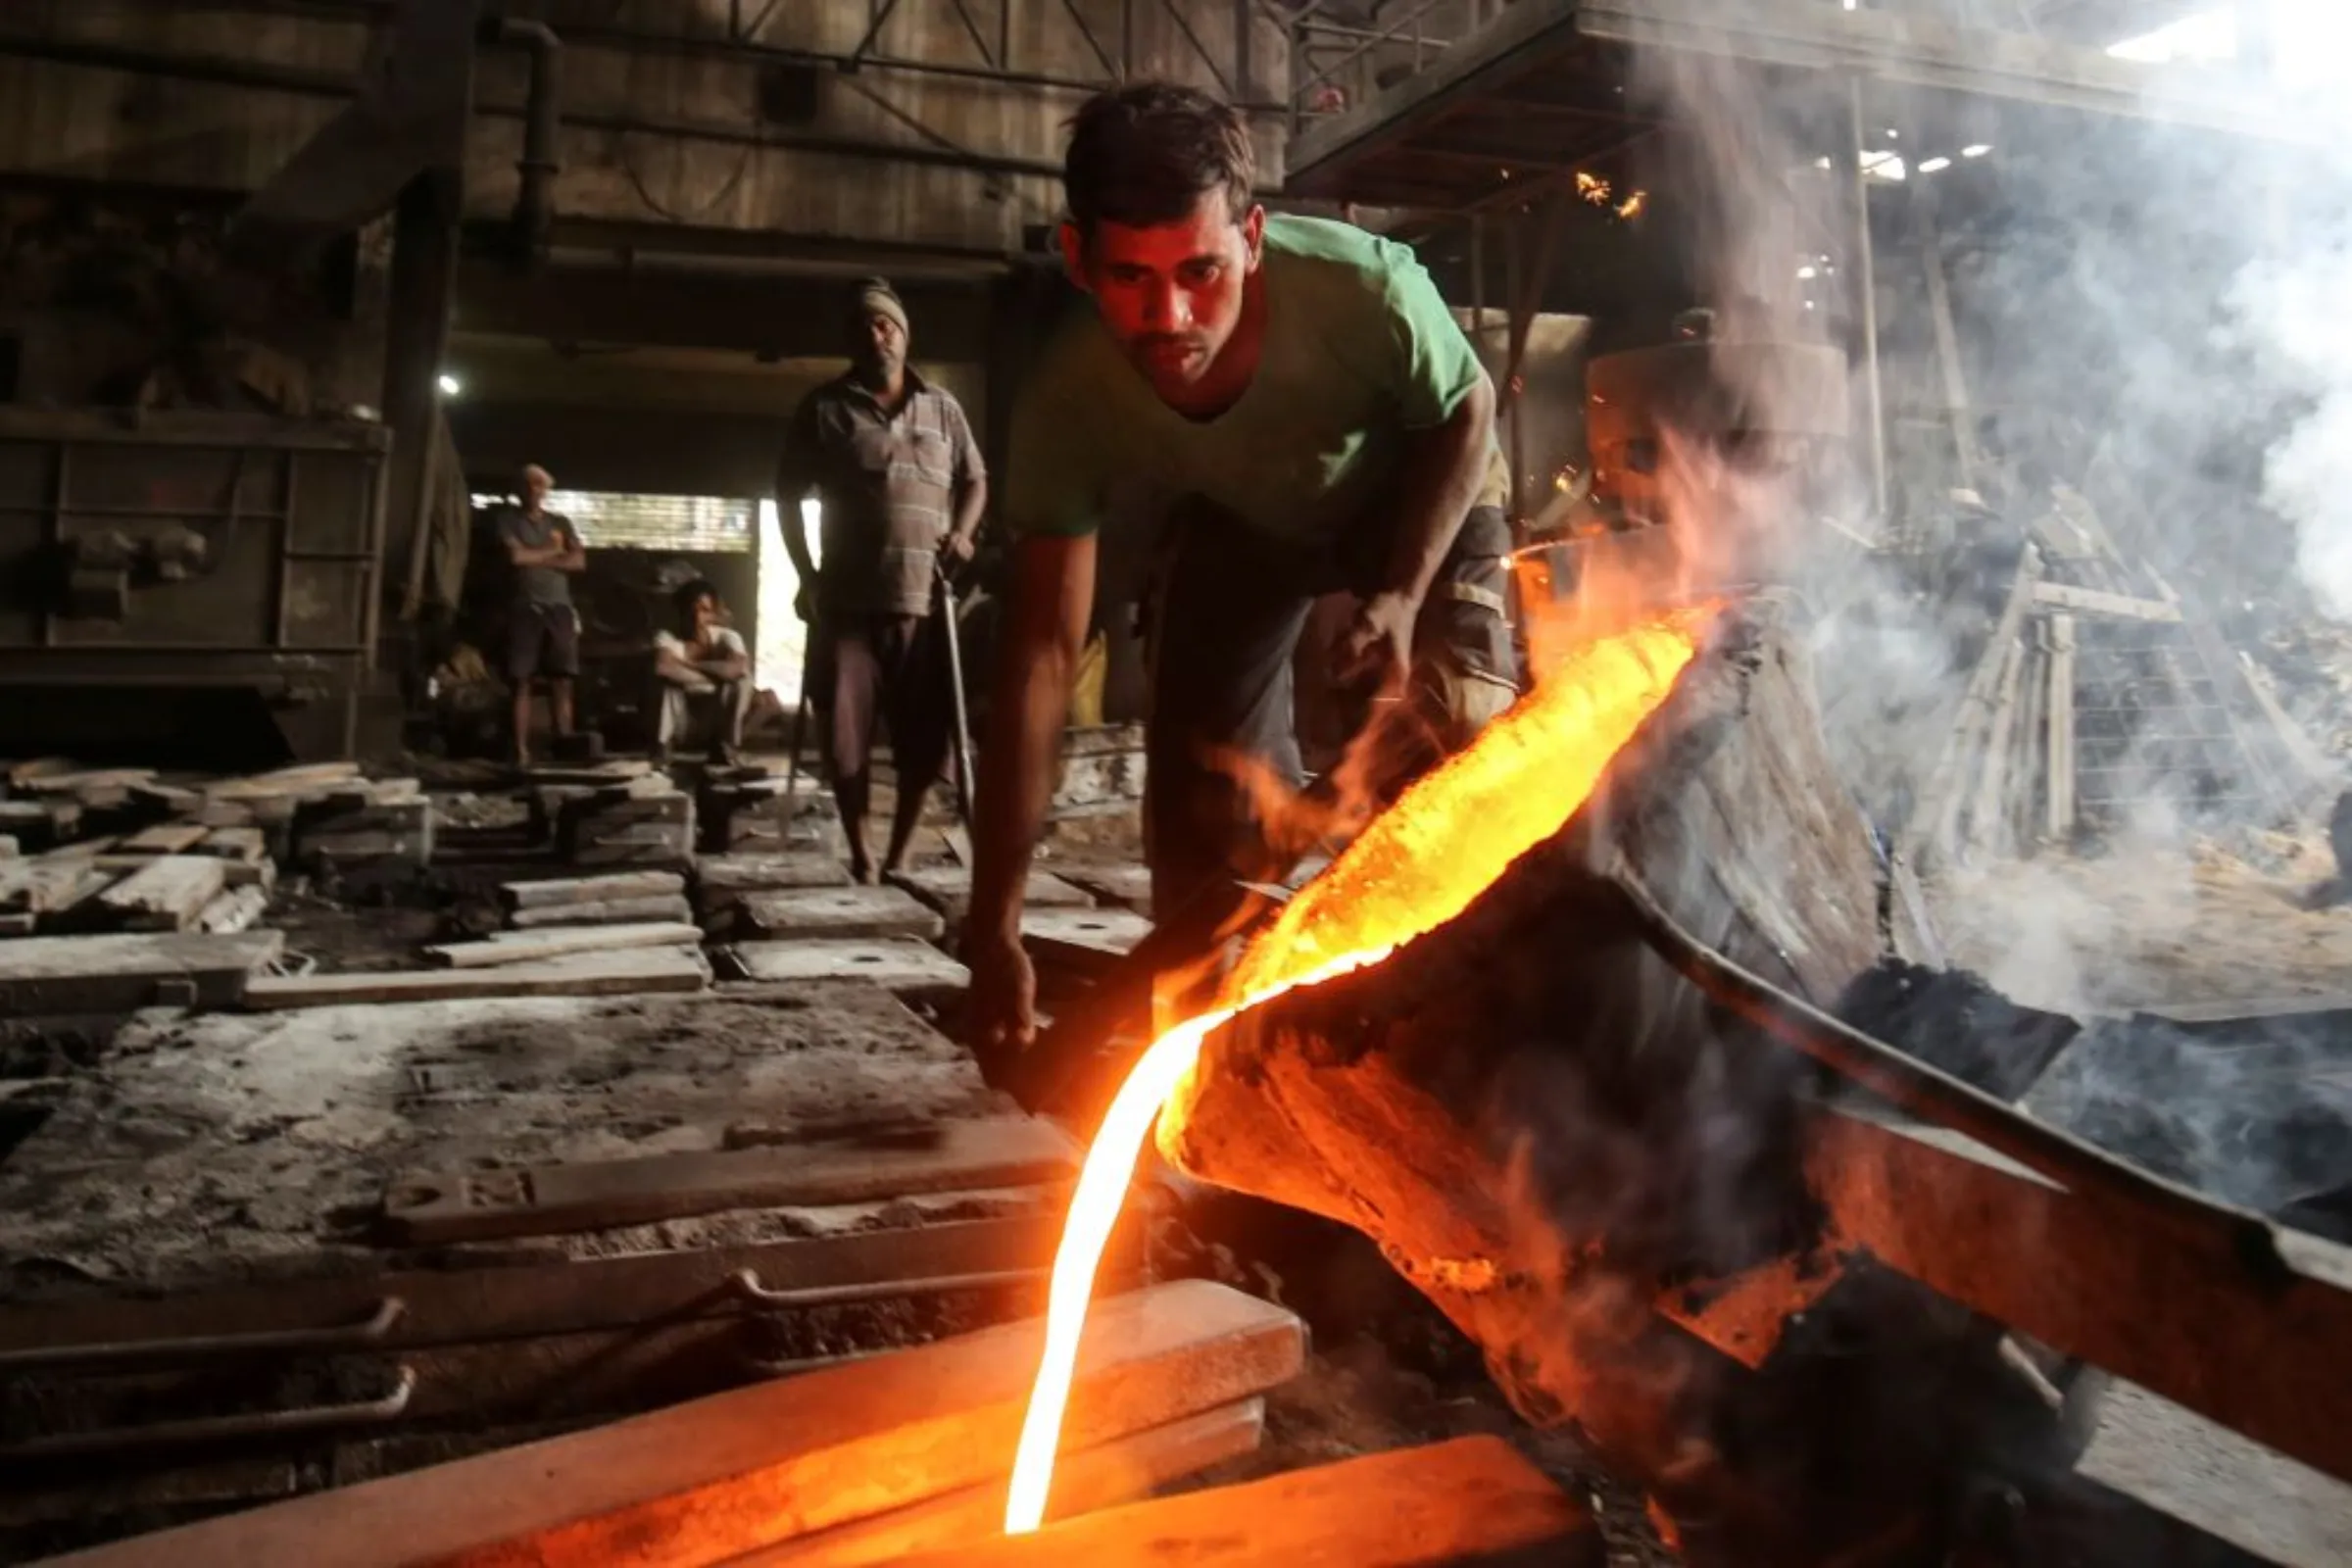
1503, 115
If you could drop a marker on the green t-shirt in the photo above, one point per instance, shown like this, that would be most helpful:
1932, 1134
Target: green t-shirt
1359, 349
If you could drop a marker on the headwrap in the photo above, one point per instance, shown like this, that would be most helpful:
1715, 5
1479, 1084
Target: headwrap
875, 297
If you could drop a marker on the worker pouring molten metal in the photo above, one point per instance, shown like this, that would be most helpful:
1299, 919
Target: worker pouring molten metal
1416, 867
1311, 420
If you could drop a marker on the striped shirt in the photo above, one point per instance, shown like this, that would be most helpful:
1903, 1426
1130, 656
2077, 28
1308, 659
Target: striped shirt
888, 483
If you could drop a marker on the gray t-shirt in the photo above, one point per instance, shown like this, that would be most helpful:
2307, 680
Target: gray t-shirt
538, 585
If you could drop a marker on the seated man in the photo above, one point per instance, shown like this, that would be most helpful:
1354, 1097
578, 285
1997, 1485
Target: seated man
707, 665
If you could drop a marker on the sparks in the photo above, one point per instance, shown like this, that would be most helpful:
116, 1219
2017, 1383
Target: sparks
1416, 867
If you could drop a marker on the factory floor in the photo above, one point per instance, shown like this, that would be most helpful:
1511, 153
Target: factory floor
179, 1150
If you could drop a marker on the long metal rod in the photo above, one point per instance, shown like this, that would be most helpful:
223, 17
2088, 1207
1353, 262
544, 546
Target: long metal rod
972, 30
1078, 21
1365, 48
1175, 14
219, 1428
881, 19
1866, 285
203, 1346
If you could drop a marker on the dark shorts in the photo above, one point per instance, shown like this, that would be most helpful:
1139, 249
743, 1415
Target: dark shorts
891, 668
543, 640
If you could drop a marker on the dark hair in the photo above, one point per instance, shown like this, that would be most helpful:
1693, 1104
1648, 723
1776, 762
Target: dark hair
688, 594
1146, 153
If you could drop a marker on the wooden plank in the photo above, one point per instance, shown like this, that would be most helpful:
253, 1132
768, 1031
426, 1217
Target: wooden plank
2317, 769
23, 773
556, 942
1470, 1500
1988, 812
242, 845
717, 876
98, 787
233, 910
1082, 932
2061, 780
1127, 884
587, 974
165, 838
1934, 828
853, 911
949, 890
540, 895
2029, 770
39, 886
311, 778
436, 1206
1084, 1481
898, 964
2094, 602
711, 1479
670, 909
166, 894
124, 972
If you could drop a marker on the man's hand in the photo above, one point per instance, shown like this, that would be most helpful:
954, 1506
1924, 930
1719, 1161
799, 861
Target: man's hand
956, 548
1000, 1007
1378, 650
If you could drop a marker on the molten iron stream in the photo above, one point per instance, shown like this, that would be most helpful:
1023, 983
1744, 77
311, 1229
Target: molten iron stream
1414, 867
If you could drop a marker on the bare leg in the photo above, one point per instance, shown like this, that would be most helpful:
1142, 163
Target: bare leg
734, 707
559, 698
849, 791
522, 723
856, 685
903, 822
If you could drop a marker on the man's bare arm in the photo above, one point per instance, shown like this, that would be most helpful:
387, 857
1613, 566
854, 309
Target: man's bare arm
972, 499
793, 486
727, 666
1051, 601
570, 554
1442, 473
675, 669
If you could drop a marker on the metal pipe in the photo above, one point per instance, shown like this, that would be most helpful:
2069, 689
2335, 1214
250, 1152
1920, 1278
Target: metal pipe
880, 19
744, 50
221, 1428
368, 1331
228, 72
535, 197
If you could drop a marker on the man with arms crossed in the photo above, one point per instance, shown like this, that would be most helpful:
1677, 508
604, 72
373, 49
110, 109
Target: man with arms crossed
543, 637
1300, 395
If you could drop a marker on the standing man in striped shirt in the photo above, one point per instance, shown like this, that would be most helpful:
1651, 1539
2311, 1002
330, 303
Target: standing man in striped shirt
900, 479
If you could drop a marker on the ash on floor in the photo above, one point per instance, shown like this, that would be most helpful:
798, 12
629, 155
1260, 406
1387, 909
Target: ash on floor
228, 1146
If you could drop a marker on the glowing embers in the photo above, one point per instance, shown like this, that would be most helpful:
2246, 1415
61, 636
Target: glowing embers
1416, 867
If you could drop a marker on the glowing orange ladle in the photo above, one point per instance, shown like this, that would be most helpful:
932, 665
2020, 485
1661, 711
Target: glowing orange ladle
1413, 868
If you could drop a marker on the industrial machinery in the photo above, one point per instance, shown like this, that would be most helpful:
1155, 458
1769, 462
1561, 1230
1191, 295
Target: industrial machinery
150, 558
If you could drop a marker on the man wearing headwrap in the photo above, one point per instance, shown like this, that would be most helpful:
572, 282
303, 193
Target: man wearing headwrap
901, 484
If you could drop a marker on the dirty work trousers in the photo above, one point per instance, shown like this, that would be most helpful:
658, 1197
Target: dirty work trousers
890, 668
727, 702
1225, 632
